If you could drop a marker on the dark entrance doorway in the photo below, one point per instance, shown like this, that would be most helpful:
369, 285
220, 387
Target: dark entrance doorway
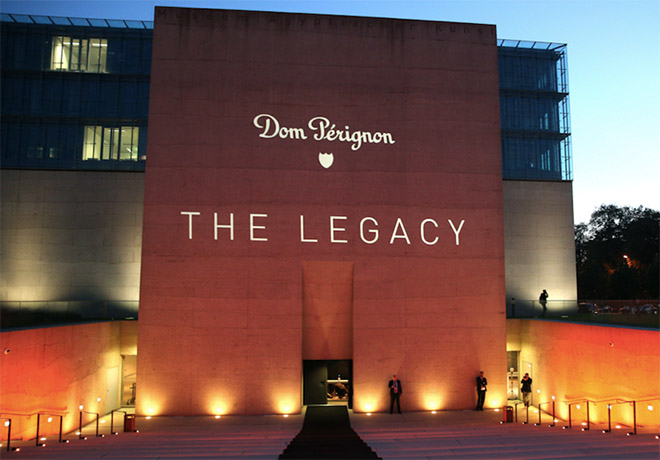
328, 381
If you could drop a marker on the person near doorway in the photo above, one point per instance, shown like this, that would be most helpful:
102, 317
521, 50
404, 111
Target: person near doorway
526, 388
481, 390
543, 300
395, 392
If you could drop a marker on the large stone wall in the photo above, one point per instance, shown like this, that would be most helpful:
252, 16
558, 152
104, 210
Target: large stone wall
71, 235
253, 234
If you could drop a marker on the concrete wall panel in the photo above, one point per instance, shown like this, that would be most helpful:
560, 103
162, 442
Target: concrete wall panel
540, 242
56, 369
71, 235
578, 361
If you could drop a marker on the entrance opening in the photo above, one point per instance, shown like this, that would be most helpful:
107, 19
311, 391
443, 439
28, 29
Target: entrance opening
328, 382
513, 358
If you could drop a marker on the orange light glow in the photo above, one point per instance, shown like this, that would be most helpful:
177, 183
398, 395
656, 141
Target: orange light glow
650, 407
434, 411
218, 407
81, 407
578, 406
286, 415
148, 417
151, 409
218, 416
368, 414
50, 419
285, 408
7, 423
496, 402
432, 402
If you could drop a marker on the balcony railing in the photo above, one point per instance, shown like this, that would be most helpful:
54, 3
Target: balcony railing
25, 314
632, 313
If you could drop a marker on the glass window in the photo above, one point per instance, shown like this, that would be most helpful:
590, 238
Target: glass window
110, 143
79, 54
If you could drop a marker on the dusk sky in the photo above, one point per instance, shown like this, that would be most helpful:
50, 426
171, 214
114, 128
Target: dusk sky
613, 64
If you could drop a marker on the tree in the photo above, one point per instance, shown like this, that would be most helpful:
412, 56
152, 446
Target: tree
617, 254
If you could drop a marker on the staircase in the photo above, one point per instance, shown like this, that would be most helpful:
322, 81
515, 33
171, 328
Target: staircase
327, 433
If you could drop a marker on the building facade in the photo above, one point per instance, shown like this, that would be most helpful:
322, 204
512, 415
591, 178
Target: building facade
326, 199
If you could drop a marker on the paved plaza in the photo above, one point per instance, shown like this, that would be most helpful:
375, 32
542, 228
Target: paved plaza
413, 435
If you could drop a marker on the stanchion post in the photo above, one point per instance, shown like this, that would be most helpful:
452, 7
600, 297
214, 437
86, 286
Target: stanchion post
553, 413
8, 433
36, 441
635, 417
61, 424
588, 421
80, 435
97, 425
609, 419
526, 422
516, 411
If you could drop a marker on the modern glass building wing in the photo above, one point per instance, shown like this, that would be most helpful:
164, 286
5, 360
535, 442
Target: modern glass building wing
534, 111
75, 93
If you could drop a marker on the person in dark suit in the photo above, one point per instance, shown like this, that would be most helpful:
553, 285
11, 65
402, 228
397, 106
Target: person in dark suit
543, 300
395, 392
481, 390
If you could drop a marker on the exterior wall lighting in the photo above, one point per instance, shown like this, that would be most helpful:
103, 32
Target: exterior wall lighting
81, 407
650, 407
578, 407
98, 399
50, 419
553, 398
7, 423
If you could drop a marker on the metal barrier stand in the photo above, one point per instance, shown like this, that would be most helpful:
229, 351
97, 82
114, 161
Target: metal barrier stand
112, 421
80, 433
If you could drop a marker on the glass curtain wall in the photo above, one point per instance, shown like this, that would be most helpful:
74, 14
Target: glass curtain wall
534, 111
75, 92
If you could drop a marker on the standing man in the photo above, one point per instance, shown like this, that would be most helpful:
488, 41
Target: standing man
543, 300
395, 391
526, 388
481, 390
